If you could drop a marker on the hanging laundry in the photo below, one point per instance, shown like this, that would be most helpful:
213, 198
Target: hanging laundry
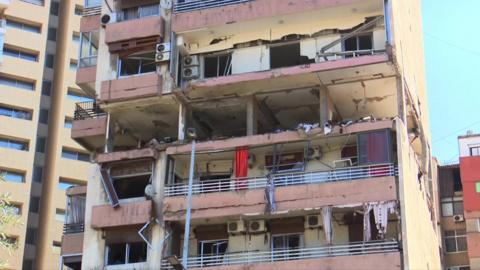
327, 224
241, 167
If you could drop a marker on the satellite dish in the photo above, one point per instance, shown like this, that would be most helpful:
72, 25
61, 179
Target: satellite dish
150, 191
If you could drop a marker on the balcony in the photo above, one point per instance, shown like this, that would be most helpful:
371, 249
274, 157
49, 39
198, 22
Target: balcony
132, 87
130, 212
86, 74
356, 255
232, 176
131, 30
72, 239
284, 180
187, 6
89, 125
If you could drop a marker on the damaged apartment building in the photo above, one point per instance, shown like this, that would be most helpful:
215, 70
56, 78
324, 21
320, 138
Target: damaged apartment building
305, 120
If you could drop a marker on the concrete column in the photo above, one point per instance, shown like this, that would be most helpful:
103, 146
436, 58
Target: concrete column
109, 134
47, 210
93, 242
402, 111
252, 116
157, 228
182, 121
324, 101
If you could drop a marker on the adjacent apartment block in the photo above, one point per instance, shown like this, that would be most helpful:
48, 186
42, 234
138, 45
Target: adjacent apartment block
459, 187
38, 158
469, 146
306, 122
454, 228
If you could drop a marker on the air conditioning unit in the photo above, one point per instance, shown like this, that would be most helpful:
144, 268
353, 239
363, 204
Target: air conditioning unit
313, 222
237, 226
190, 73
163, 47
191, 60
163, 56
108, 18
458, 218
256, 226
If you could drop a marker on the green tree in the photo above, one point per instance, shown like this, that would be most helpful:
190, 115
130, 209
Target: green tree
8, 218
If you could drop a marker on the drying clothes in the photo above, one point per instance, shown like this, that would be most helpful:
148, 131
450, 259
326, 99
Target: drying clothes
367, 232
270, 194
327, 127
307, 127
380, 212
327, 224
241, 167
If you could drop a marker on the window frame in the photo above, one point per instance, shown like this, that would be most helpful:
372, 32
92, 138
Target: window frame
451, 201
455, 237
476, 149
127, 253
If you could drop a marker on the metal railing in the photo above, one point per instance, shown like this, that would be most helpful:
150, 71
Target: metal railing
351, 249
287, 179
347, 54
87, 109
73, 228
191, 5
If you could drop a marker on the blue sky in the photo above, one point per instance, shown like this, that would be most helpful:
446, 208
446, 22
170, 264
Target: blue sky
452, 53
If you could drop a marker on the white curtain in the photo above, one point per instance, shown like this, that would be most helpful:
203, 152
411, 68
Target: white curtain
367, 233
327, 224
380, 212
76, 209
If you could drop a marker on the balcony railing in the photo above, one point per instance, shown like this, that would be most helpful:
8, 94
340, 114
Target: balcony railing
191, 5
351, 249
340, 174
87, 109
73, 228
92, 7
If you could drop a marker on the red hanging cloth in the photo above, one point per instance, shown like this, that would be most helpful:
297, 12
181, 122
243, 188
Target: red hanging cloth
241, 167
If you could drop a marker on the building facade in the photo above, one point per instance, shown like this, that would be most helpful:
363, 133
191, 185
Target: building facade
307, 122
469, 146
38, 158
454, 228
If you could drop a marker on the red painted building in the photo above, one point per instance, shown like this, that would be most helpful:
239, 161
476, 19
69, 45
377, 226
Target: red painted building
470, 174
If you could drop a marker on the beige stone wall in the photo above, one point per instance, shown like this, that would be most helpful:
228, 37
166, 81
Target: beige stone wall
420, 241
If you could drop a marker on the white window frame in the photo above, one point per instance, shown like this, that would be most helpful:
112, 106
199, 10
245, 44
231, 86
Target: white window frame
455, 237
449, 201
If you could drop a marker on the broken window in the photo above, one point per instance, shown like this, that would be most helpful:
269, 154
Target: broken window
212, 248
285, 55
217, 65
132, 186
357, 43
374, 147
137, 63
350, 152
124, 253
130, 179
286, 162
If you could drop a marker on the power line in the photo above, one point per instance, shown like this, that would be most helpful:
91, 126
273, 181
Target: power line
446, 42
456, 132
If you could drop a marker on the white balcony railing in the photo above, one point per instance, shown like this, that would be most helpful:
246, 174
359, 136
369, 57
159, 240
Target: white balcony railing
191, 5
250, 257
340, 174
